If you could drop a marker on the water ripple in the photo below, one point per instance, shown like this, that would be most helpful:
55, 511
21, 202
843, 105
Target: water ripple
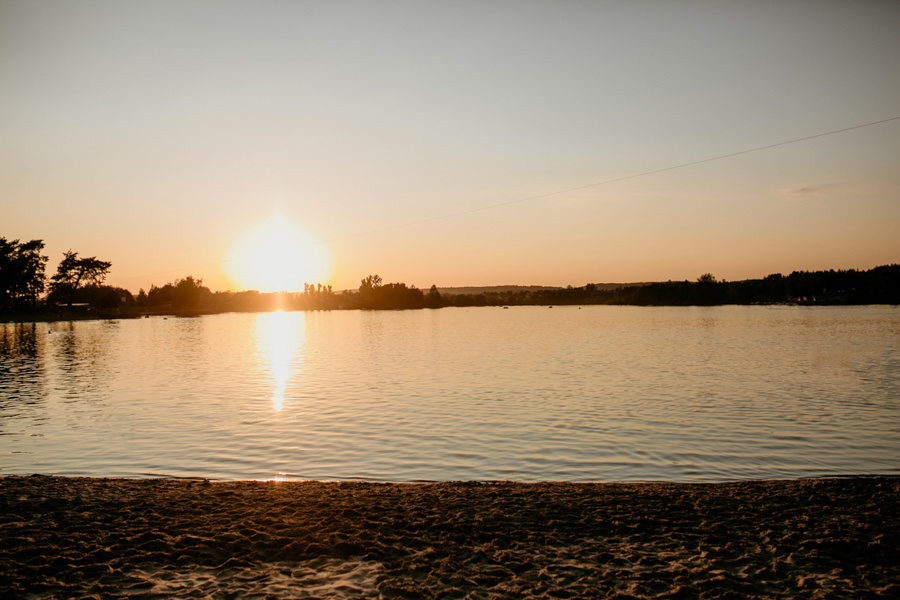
599, 393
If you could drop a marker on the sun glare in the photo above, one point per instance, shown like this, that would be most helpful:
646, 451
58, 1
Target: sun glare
280, 336
277, 256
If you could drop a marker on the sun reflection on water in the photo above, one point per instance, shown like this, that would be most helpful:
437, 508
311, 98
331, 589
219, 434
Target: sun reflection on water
279, 337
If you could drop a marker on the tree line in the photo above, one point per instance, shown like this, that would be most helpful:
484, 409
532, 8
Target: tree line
78, 286
23, 278
880, 285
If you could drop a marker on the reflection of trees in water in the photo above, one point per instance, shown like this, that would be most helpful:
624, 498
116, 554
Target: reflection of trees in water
22, 368
80, 351
19, 339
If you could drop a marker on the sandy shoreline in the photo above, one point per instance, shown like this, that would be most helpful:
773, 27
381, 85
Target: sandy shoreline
114, 538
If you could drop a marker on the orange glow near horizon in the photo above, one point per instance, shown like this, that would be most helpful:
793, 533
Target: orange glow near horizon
277, 255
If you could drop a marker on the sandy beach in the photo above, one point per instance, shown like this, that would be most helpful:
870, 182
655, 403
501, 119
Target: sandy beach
121, 538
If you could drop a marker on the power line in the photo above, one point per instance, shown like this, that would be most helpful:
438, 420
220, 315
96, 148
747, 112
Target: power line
610, 181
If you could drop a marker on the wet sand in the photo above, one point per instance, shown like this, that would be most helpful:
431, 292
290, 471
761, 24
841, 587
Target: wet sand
114, 538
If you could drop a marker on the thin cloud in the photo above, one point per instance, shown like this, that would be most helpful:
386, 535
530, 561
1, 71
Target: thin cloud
802, 193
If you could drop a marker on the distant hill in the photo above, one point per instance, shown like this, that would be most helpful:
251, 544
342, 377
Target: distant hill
495, 288
523, 288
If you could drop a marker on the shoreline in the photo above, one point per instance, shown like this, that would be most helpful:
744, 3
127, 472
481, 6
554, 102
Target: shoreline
145, 538
56, 316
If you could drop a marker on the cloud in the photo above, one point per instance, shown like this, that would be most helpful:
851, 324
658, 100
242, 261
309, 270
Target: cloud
802, 193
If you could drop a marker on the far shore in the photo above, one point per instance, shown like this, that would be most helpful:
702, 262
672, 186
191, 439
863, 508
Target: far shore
188, 297
63, 314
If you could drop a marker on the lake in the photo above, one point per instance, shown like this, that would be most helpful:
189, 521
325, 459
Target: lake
593, 393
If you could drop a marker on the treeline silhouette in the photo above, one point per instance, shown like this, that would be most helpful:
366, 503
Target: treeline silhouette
880, 285
190, 296
77, 289
78, 280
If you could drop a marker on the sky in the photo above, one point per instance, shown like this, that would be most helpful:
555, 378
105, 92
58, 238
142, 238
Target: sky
454, 143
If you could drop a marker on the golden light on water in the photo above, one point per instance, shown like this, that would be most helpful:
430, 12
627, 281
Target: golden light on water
277, 255
279, 337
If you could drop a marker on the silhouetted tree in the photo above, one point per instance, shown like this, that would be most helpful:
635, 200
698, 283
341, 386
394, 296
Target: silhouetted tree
104, 297
161, 296
317, 297
8, 272
373, 294
367, 289
190, 293
370, 282
73, 272
433, 299
22, 271
709, 290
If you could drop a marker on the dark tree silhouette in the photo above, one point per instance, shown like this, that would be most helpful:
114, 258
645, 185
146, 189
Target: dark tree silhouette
22, 271
375, 295
433, 298
369, 283
73, 272
105, 297
367, 289
709, 290
190, 293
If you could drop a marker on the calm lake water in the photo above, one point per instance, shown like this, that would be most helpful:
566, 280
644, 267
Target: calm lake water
597, 393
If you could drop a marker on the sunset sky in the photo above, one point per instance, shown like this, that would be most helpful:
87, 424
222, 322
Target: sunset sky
454, 143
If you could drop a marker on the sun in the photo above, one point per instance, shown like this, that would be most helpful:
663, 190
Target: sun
277, 256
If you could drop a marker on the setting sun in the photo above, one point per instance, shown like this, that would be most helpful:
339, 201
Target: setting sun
277, 256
